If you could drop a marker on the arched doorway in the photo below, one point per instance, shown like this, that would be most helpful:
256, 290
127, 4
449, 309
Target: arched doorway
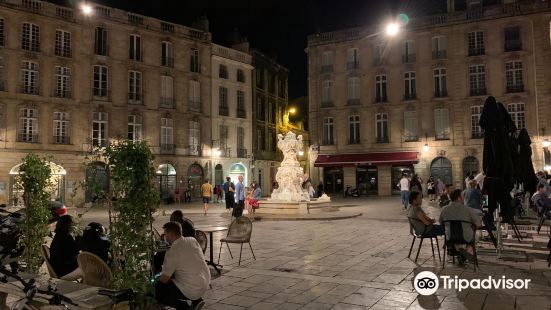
470, 165
442, 167
166, 174
218, 175
98, 173
195, 179
57, 181
236, 170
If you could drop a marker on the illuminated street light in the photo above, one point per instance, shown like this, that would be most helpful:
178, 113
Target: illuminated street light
547, 168
300, 153
392, 29
426, 147
86, 9
217, 152
292, 111
546, 143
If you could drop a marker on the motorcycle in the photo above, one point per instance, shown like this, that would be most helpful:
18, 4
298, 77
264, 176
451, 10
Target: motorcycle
9, 237
351, 191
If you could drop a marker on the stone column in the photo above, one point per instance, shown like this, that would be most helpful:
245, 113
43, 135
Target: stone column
384, 178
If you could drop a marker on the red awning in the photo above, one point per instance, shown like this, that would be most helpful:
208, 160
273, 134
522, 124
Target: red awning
391, 158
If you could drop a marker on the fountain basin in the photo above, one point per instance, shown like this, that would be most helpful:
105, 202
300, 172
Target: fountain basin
270, 206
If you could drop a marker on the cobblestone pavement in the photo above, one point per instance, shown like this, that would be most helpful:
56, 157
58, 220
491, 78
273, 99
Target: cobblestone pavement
358, 263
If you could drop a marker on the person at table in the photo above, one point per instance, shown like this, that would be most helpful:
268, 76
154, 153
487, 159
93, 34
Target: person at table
188, 229
541, 200
473, 197
206, 192
185, 275
95, 241
64, 250
422, 224
240, 197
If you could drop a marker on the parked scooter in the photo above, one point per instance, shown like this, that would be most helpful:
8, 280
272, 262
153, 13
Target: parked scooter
351, 191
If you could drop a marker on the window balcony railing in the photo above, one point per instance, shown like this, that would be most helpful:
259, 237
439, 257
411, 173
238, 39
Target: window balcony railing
409, 58
30, 90
134, 98
62, 93
223, 110
62, 140
354, 141
327, 142
27, 137
513, 45
478, 91
169, 149
477, 135
352, 65
477, 51
167, 62
99, 142
241, 113
381, 99
327, 69
441, 93
442, 136
439, 55
167, 103
327, 104
242, 153
410, 96
101, 94
411, 138
195, 106
225, 151
194, 150
518, 88
382, 139
195, 67
353, 101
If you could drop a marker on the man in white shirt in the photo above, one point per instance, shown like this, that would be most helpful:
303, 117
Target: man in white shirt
185, 274
404, 189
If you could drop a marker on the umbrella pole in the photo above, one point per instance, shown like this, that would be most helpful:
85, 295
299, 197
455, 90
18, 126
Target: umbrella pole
499, 247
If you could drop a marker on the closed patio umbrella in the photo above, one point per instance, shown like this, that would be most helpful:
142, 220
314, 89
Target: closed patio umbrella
526, 174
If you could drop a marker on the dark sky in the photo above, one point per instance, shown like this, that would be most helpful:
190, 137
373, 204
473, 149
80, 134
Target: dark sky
277, 27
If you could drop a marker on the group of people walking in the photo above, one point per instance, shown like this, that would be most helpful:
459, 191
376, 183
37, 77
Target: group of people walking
235, 196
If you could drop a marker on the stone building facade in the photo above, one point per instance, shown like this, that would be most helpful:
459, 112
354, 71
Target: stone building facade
381, 106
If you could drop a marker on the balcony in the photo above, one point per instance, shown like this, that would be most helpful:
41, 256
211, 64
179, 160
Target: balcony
327, 142
436, 55
353, 101
30, 90
352, 65
61, 140
327, 104
410, 96
195, 67
477, 135
242, 153
194, 150
477, 51
381, 99
167, 103
62, 93
512, 46
442, 136
443, 93
194, 106
518, 88
411, 138
382, 139
167, 62
409, 58
241, 113
101, 143
478, 91
27, 137
327, 69
100, 94
168, 149
223, 111
354, 141
134, 98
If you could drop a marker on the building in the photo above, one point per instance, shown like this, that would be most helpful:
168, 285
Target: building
231, 113
270, 97
381, 106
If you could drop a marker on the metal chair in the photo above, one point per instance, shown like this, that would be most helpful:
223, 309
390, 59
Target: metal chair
156, 234
239, 232
454, 235
95, 270
424, 235
201, 237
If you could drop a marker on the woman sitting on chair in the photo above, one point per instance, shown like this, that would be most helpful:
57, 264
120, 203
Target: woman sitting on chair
64, 250
95, 241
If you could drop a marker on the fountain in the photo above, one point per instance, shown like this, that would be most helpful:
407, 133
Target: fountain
290, 197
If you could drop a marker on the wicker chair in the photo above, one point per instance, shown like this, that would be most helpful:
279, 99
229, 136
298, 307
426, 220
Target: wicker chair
239, 232
46, 255
202, 239
95, 270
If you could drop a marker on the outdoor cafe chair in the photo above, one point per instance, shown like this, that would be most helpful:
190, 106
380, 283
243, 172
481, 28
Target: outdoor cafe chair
239, 232
95, 270
201, 237
424, 235
454, 235
156, 234
46, 255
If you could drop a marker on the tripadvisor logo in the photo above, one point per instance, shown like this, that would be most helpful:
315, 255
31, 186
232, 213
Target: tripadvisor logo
427, 283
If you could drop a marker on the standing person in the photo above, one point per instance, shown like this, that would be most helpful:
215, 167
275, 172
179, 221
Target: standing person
431, 190
206, 192
219, 192
445, 198
177, 194
416, 184
240, 197
404, 189
440, 186
229, 189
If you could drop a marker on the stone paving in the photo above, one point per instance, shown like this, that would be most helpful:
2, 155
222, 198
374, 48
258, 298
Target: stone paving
358, 263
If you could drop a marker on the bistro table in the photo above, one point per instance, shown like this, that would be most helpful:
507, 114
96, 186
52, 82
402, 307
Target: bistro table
211, 230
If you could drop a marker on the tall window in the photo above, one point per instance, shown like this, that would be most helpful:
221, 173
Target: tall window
353, 90
241, 112
29, 77
223, 72
2, 35
439, 47
223, 131
327, 92
476, 131
259, 75
381, 127
476, 43
410, 91
167, 54
409, 51
260, 109
2, 76
62, 43
512, 39
271, 140
261, 139
101, 85
516, 110
134, 86
327, 61
62, 82
379, 53
440, 83
328, 135
99, 129
134, 127
223, 101
354, 129
194, 65
352, 58
442, 124
477, 80
411, 130
195, 95
194, 137
28, 125
241, 151
167, 91
100, 42
380, 88
61, 128
513, 76
135, 47
240, 75
167, 130
30, 37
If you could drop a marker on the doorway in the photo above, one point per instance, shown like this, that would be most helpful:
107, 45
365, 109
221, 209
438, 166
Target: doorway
218, 175
333, 180
195, 179
442, 167
366, 180
166, 174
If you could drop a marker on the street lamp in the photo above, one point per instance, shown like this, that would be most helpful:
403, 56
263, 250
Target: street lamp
546, 143
392, 29
290, 111
426, 146
86, 9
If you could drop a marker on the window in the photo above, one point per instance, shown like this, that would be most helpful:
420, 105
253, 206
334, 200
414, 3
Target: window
134, 86
411, 131
28, 125
271, 140
167, 138
194, 137
2, 82
439, 47
516, 110
477, 80
62, 43
100, 42
381, 127
167, 91
476, 131
260, 109
99, 129
513, 76
512, 39
476, 43
327, 93
261, 141
380, 88
327, 62
2, 35
223, 101
223, 72
442, 124
378, 53
194, 65
282, 88
328, 137
241, 151
135, 47
271, 83
259, 73
240, 76
440, 83
223, 139
167, 56
195, 95
30, 37
410, 91
100, 81
62, 82
29, 78
134, 127
61, 128
241, 112
354, 129
352, 58
409, 52
353, 90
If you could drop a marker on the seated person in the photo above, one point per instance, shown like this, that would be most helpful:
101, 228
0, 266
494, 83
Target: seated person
415, 211
541, 200
185, 275
95, 241
187, 225
445, 197
64, 250
473, 197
